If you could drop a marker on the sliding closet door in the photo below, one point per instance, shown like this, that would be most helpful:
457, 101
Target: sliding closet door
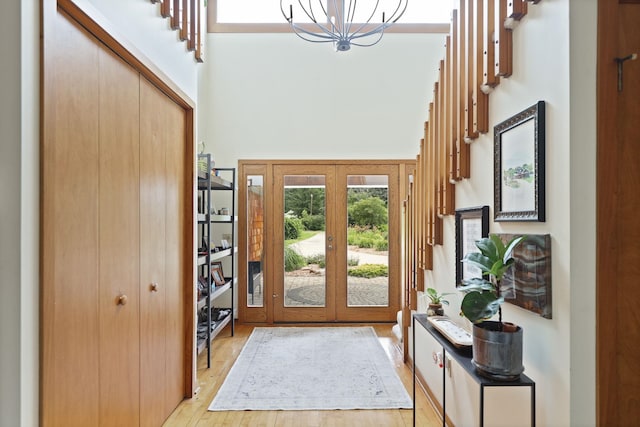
153, 283
69, 221
119, 242
179, 228
165, 234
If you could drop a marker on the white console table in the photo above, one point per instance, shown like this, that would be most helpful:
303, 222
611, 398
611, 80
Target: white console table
464, 395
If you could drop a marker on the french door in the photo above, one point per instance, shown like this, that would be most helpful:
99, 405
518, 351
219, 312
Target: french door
335, 242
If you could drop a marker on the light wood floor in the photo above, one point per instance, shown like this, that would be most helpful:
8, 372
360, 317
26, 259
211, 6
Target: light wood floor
225, 349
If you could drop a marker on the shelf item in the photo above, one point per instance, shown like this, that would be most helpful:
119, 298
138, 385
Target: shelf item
452, 332
216, 252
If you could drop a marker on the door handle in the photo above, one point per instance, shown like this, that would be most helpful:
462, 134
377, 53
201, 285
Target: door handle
620, 62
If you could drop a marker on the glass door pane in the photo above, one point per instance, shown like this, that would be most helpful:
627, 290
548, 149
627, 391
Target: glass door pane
255, 240
304, 259
367, 207
304, 241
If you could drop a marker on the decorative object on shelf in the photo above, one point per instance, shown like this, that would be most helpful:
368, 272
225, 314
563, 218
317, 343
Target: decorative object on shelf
519, 169
437, 299
216, 275
202, 287
528, 283
342, 22
497, 345
472, 224
204, 245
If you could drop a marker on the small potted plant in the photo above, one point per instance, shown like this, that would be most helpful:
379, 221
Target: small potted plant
435, 306
497, 345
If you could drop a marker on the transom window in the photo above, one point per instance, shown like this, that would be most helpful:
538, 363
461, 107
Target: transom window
421, 16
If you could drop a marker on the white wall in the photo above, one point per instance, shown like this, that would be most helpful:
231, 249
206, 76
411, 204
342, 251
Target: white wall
139, 23
10, 155
559, 353
583, 39
276, 96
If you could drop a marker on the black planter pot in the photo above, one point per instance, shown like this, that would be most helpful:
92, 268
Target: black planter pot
496, 354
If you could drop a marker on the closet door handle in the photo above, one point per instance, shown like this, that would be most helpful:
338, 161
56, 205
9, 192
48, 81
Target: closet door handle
122, 300
154, 287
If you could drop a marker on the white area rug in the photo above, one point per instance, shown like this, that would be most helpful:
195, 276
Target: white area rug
312, 368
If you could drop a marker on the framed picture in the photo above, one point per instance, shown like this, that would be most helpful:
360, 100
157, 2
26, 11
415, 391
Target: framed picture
472, 224
216, 273
528, 283
519, 177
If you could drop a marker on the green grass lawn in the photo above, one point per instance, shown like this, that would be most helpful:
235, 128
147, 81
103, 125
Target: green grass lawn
304, 235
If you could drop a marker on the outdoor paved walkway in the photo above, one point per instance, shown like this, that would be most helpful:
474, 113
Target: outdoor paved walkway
309, 290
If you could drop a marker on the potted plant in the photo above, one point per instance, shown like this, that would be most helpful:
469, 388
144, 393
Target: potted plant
436, 301
497, 345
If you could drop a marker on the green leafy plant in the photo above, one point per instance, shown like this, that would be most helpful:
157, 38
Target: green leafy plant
482, 298
292, 259
369, 271
368, 212
437, 298
293, 227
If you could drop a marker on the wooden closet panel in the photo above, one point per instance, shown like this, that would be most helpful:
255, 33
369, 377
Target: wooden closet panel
153, 283
179, 242
119, 245
69, 220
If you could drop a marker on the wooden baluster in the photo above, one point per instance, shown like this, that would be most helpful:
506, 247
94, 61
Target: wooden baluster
448, 207
462, 149
186, 17
480, 99
191, 35
468, 71
411, 254
166, 8
176, 18
437, 188
503, 41
453, 97
516, 9
428, 198
419, 227
489, 77
436, 220
426, 192
200, 32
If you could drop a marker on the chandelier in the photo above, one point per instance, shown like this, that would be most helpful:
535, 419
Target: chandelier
324, 21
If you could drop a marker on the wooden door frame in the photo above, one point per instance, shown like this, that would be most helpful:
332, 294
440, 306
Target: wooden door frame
606, 211
88, 17
264, 314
